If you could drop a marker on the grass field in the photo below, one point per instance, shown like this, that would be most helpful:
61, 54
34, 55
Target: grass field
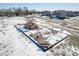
19, 44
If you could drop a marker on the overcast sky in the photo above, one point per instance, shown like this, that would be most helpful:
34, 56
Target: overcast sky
42, 6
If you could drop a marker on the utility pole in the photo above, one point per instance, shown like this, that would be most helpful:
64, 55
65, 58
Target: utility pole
3, 23
1, 30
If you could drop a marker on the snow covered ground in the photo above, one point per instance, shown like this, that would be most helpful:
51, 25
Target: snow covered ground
14, 43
